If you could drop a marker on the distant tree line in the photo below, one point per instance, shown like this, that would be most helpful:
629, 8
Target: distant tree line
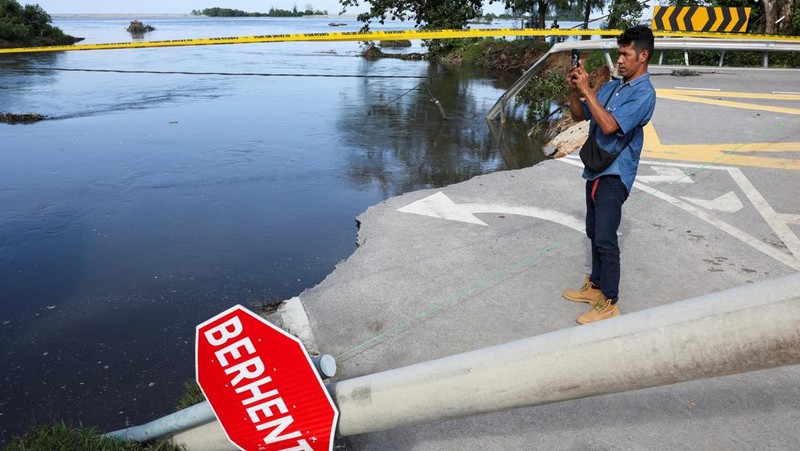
273, 12
28, 26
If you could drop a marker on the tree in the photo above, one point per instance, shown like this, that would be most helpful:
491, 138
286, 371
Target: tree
589, 6
29, 25
536, 8
780, 17
427, 15
625, 13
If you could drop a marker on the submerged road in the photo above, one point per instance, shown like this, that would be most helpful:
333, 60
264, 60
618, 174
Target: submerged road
449, 270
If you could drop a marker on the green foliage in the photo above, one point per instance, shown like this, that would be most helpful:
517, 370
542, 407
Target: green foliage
795, 29
732, 58
29, 25
452, 14
273, 12
544, 92
547, 94
625, 13
595, 60
60, 437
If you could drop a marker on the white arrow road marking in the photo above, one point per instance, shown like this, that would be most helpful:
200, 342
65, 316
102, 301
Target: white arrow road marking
440, 206
727, 203
665, 174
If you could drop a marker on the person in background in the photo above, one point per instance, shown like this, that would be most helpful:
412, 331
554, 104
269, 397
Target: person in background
554, 26
618, 114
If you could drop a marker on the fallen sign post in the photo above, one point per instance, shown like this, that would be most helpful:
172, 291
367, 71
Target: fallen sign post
261, 384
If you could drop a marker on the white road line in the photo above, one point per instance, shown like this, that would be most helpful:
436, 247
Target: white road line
774, 220
665, 174
786, 259
686, 165
786, 92
697, 89
295, 321
576, 161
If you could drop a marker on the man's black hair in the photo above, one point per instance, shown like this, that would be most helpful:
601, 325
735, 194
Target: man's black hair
641, 37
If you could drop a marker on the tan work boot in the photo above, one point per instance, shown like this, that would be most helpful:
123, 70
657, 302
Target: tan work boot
601, 309
587, 293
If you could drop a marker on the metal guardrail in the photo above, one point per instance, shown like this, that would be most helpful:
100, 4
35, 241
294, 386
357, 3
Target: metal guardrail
661, 44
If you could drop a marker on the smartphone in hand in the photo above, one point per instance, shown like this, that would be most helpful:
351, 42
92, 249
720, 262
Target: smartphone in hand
575, 58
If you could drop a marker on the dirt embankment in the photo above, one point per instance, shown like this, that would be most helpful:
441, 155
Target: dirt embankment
508, 56
501, 55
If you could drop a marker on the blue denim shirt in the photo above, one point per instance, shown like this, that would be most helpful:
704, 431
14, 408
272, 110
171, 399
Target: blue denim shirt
632, 106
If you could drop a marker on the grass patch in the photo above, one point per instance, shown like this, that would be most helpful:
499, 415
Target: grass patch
61, 437
192, 396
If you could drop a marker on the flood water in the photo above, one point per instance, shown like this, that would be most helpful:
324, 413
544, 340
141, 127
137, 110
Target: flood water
147, 203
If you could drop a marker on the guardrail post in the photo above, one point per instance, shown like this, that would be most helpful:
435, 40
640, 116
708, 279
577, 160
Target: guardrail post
721, 58
766, 59
609, 62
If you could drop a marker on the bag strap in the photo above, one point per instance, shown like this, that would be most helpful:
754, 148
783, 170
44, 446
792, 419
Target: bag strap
615, 91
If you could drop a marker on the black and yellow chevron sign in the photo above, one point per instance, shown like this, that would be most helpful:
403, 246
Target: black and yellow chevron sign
698, 18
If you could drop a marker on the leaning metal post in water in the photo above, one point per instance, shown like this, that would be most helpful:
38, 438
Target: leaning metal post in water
733, 331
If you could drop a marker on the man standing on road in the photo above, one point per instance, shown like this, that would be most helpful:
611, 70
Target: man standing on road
618, 114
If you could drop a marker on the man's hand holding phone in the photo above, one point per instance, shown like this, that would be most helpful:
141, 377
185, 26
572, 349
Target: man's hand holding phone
577, 78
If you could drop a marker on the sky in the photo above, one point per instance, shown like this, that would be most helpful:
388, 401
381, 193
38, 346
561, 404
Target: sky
175, 6
186, 6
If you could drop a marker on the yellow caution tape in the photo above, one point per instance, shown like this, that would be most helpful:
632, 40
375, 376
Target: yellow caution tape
378, 36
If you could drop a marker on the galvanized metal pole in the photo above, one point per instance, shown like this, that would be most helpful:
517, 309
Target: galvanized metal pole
167, 426
749, 328
198, 414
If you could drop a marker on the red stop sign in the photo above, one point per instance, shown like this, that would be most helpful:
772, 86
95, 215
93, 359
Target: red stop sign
262, 385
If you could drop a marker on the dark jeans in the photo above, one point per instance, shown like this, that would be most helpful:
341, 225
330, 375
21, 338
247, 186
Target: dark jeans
604, 199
